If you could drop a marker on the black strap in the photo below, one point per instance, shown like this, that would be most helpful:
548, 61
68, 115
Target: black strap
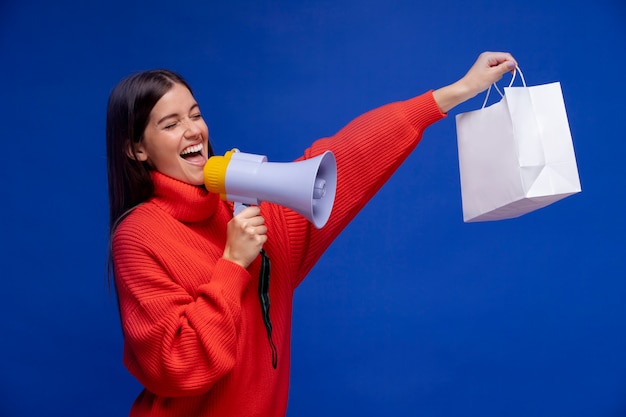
264, 296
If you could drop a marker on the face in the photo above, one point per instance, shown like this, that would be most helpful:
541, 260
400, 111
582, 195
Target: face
175, 141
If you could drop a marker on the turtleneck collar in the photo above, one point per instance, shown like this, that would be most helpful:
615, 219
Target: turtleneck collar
186, 203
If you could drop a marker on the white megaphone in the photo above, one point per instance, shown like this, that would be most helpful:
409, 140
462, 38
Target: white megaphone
307, 186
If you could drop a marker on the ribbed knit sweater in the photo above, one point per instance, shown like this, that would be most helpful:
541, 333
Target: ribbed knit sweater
193, 330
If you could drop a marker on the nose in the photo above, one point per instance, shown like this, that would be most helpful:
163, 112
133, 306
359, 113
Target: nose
191, 129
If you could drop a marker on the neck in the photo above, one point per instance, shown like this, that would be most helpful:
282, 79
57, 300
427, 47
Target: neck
185, 202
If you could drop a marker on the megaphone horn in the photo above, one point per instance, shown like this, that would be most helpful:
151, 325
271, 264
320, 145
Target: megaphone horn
307, 187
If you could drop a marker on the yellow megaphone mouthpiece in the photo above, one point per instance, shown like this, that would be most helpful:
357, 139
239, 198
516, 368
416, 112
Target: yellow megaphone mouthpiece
215, 173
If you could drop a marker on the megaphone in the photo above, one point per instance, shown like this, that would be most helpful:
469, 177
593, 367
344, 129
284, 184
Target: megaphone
307, 186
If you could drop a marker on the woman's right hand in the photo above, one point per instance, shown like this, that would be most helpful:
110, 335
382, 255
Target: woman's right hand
246, 234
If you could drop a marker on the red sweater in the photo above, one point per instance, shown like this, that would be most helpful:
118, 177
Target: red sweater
194, 333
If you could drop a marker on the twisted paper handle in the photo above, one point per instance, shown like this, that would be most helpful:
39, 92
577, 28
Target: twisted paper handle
517, 69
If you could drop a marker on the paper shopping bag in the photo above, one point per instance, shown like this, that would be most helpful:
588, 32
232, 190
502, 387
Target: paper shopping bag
517, 155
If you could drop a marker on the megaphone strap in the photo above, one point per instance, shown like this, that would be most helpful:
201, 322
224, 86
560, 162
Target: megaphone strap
264, 297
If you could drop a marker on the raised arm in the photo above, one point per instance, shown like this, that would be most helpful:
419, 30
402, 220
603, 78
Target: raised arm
371, 147
488, 69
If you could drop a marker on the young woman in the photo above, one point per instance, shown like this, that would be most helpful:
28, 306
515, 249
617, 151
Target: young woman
187, 271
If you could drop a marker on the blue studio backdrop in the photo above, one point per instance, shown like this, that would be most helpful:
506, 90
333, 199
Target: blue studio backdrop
411, 312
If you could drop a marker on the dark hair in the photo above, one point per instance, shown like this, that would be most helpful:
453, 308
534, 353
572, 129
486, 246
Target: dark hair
128, 112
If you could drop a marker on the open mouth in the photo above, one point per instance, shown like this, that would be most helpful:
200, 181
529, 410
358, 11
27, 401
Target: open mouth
192, 153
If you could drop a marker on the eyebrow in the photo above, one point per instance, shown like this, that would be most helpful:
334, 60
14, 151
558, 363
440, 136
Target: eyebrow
195, 105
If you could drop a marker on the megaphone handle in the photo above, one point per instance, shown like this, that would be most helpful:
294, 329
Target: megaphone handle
238, 207
264, 289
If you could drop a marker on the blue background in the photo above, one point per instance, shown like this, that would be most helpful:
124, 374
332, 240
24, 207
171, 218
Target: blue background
411, 311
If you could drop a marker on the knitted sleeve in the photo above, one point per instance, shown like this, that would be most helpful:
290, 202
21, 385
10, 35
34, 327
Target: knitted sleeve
185, 351
368, 151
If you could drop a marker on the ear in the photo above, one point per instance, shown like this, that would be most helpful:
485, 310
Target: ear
136, 151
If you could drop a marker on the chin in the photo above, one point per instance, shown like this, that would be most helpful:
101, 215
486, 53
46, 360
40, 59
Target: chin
194, 176
197, 181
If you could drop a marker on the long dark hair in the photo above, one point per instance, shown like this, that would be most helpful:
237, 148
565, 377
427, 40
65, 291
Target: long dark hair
128, 112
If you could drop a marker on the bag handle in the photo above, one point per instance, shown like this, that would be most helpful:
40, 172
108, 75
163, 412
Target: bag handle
515, 71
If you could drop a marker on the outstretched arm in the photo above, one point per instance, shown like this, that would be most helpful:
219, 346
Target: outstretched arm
488, 69
371, 147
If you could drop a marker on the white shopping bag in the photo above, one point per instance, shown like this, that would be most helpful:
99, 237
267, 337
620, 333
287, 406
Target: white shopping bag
516, 156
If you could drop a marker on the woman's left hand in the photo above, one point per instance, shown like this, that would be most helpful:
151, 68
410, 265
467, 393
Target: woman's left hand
488, 69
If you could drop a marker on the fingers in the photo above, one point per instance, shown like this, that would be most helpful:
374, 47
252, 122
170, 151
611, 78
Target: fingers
250, 224
493, 59
490, 67
499, 62
246, 235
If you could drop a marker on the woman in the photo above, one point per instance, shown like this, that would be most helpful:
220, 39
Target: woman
187, 271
